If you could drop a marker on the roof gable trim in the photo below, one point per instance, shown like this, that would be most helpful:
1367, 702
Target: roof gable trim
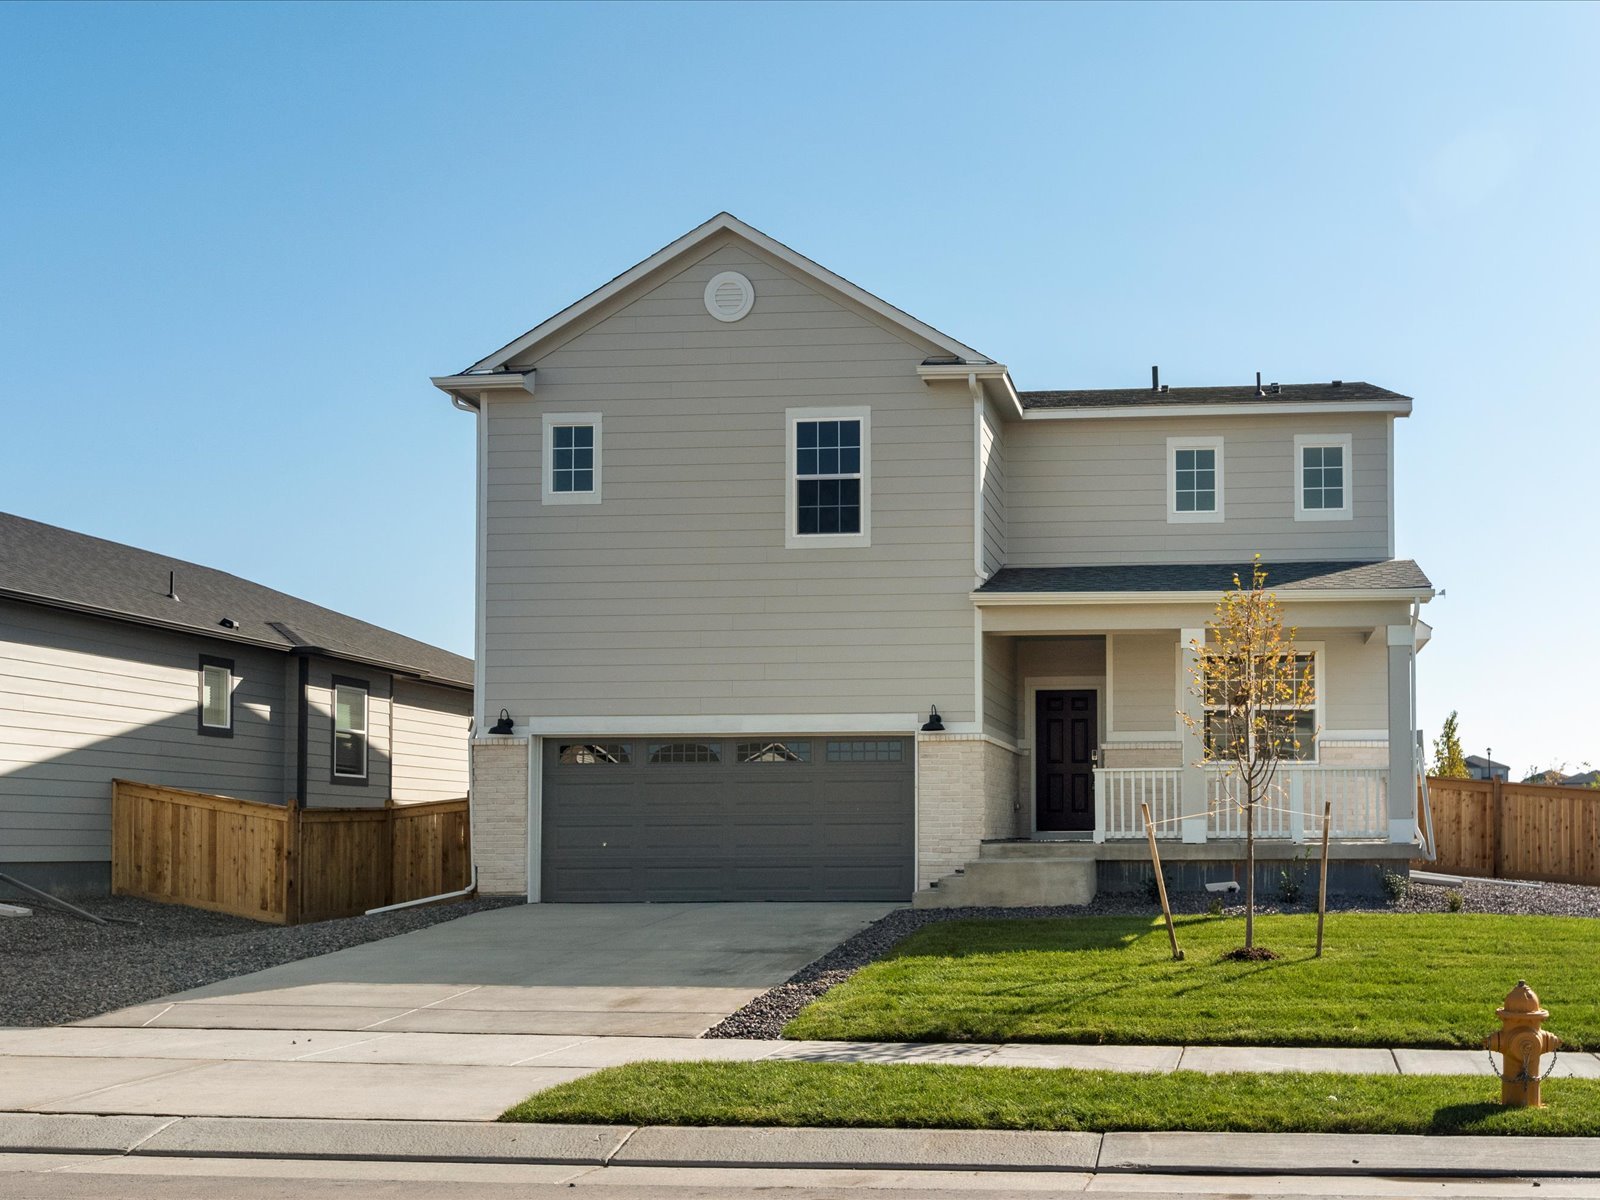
695, 237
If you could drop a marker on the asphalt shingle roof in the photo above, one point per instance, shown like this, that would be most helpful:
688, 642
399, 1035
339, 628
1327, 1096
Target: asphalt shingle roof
49, 564
1244, 393
1386, 574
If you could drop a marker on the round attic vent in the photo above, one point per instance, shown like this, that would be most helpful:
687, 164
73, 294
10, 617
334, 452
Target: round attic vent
729, 296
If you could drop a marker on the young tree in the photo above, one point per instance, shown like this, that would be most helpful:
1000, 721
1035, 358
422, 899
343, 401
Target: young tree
1449, 762
1254, 689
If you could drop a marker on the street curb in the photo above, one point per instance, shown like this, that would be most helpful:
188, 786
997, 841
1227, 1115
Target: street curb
803, 1148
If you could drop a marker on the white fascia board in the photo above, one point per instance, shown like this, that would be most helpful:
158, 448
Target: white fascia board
718, 224
996, 373
793, 724
1000, 599
1399, 408
472, 386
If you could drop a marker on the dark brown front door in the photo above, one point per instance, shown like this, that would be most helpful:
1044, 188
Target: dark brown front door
1064, 747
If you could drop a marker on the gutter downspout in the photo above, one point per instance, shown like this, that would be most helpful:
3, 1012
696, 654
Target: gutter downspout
466, 891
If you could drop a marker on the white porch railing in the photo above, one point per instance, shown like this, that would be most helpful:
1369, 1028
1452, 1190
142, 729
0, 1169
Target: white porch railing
1292, 809
1118, 793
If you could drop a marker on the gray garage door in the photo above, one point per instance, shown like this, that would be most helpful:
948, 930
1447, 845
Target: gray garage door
747, 818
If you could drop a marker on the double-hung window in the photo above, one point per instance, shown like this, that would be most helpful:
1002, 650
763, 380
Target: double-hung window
216, 696
571, 473
350, 698
1322, 477
1294, 729
829, 484
1194, 479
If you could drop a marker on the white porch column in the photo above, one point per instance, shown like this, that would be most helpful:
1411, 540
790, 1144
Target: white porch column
1192, 779
1402, 747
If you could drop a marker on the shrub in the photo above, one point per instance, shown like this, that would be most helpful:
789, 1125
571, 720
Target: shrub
1292, 881
1453, 901
1215, 907
1396, 885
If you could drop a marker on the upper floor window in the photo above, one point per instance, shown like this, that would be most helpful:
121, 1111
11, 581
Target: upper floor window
829, 487
216, 696
1323, 482
571, 472
349, 730
1194, 479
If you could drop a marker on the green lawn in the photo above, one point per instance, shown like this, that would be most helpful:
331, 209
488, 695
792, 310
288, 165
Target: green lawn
1387, 979
950, 1097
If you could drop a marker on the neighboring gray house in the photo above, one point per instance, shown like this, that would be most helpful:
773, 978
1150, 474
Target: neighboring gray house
741, 524
120, 663
1479, 767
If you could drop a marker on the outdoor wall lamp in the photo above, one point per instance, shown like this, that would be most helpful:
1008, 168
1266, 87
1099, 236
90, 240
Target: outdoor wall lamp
504, 725
935, 722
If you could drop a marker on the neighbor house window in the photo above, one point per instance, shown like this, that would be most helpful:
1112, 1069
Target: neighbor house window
829, 485
571, 472
1295, 731
350, 698
1323, 480
1194, 479
216, 696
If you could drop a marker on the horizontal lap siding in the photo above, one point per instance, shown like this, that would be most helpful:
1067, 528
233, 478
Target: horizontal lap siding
676, 596
84, 700
1000, 687
430, 742
1144, 683
1085, 492
321, 791
992, 462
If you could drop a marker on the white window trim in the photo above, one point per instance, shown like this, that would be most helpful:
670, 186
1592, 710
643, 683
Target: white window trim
1174, 444
826, 541
547, 459
1303, 442
365, 731
227, 696
1319, 700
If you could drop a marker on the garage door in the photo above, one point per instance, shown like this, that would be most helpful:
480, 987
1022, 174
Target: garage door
748, 818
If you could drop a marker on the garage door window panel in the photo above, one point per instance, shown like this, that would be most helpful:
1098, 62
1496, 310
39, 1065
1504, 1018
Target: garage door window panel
866, 751
678, 753
774, 752
591, 754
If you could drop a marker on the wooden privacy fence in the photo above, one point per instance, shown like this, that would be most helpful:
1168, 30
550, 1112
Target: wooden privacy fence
286, 865
1515, 830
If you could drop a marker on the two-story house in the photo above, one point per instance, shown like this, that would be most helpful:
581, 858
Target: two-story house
743, 525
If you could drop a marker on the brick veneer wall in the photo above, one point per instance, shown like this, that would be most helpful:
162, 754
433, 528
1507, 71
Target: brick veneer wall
966, 792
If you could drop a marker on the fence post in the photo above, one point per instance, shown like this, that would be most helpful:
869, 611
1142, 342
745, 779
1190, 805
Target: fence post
291, 863
1496, 816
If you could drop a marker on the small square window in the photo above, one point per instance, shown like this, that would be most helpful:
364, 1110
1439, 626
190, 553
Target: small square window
571, 470
1194, 480
1322, 483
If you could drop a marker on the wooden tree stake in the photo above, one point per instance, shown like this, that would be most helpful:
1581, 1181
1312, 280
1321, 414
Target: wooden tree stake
1322, 888
1161, 883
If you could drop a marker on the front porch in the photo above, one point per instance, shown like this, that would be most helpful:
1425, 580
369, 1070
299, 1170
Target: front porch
1087, 714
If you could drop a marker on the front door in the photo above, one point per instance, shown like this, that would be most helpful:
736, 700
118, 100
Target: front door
1065, 729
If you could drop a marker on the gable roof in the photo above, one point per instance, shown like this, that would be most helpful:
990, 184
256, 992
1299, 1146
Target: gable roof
1353, 392
1389, 575
722, 222
50, 565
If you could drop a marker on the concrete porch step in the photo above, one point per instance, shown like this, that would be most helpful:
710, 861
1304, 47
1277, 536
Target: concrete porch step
1013, 883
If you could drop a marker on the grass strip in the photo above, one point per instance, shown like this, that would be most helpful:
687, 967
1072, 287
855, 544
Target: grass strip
927, 1096
1387, 979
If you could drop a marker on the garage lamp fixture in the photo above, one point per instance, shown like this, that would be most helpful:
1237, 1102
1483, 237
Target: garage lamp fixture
504, 725
935, 721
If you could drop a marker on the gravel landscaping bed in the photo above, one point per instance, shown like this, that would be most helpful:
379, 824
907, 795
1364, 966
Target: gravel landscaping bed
767, 1014
57, 967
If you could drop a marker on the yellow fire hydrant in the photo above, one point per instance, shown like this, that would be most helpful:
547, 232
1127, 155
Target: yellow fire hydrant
1521, 1042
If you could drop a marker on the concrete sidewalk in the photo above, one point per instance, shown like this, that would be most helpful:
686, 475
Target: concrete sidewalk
375, 1075
623, 1146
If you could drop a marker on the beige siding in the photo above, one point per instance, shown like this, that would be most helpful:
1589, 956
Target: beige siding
1000, 687
676, 596
430, 742
84, 700
1096, 492
992, 464
321, 790
1144, 683
1355, 679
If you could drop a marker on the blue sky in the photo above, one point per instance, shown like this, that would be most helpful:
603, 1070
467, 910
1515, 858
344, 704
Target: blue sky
238, 239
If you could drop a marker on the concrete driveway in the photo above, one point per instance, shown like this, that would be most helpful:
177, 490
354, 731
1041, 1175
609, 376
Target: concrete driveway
657, 970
